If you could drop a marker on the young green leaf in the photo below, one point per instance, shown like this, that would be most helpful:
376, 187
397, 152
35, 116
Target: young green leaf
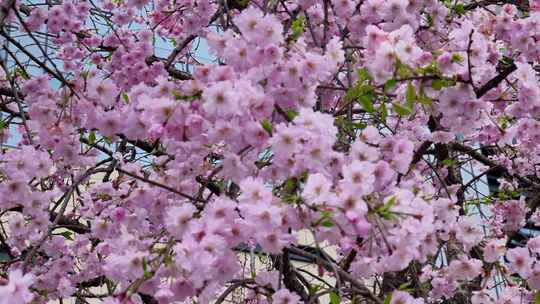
352, 93
423, 99
291, 114
92, 137
390, 85
267, 126
367, 103
298, 27
402, 110
410, 95
363, 75
334, 298
384, 111
327, 223
459, 9
448, 162
537, 297
125, 97
456, 58
68, 235
388, 298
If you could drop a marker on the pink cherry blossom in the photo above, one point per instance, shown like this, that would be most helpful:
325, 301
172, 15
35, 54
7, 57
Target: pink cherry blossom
520, 261
17, 288
269, 151
283, 296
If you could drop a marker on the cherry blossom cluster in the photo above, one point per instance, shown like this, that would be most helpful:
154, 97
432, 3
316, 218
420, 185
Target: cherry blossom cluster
129, 176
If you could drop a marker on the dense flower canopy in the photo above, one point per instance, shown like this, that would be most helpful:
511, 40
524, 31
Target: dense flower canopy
133, 175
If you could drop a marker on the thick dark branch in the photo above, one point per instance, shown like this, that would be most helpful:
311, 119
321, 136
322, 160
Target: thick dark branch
147, 299
488, 162
143, 145
178, 49
95, 282
159, 185
7, 92
345, 276
469, 65
283, 263
231, 289
422, 149
64, 221
147, 147
173, 72
494, 82
4, 11
520, 4
43, 65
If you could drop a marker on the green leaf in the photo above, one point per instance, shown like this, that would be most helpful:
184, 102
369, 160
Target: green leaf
358, 125
290, 184
298, 27
390, 85
325, 220
436, 53
459, 9
243, 3
401, 110
147, 273
366, 102
364, 95
144, 265
363, 75
289, 191
390, 203
384, 111
334, 298
429, 70
291, 114
437, 84
22, 73
440, 83
384, 210
176, 94
404, 286
456, 58
92, 137
84, 74
366, 89
388, 298
327, 223
126, 97
68, 235
423, 99
326, 213
352, 93
267, 126
314, 288
448, 162
537, 297
410, 95
402, 69
429, 20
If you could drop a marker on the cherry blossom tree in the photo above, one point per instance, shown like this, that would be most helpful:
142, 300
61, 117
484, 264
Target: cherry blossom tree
133, 175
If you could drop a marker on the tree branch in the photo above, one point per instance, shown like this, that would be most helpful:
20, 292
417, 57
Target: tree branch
361, 288
494, 82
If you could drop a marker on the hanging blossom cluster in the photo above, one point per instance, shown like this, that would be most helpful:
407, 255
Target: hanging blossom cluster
130, 174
